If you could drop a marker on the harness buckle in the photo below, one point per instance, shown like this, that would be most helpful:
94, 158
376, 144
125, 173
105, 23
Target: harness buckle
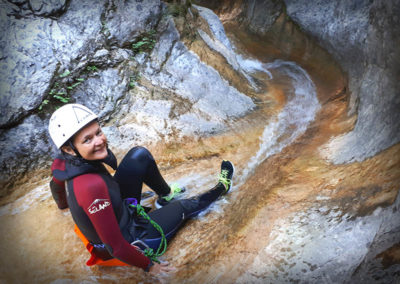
141, 245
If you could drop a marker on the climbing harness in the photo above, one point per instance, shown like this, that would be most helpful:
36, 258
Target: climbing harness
94, 259
149, 252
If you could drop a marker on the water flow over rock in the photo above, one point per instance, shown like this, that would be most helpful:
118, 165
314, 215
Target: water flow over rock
363, 37
301, 106
300, 109
83, 54
292, 215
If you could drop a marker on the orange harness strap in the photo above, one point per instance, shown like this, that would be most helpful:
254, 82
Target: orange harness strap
94, 259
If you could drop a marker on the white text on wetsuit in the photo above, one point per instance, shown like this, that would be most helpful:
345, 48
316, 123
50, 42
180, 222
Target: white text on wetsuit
98, 204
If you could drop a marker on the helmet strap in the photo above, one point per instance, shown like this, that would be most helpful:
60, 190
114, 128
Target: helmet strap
70, 144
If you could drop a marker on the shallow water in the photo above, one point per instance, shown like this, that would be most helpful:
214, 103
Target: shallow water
34, 222
291, 215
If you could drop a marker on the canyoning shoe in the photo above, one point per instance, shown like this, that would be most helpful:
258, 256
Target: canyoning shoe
164, 200
226, 175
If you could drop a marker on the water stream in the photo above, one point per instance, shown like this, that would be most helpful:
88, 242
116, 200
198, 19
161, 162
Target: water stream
42, 247
279, 132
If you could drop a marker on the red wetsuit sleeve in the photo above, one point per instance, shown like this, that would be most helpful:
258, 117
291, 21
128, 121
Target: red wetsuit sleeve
92, 195
58, 192
57, 186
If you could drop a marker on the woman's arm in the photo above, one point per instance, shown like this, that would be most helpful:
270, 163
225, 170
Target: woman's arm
58, 192
92, 195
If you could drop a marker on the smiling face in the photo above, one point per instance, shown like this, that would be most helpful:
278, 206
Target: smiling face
90, 142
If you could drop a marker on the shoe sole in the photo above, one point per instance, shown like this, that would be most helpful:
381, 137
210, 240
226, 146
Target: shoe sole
233, 172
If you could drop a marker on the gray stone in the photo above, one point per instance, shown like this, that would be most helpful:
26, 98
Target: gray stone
32, 48
377, 126
18, 2
102, 92
26, 68
22, 145
119, 55
148, 121
77, 33
363, 37
163, 46
220, 42
215, 25
184, 73
47, 7
7, 8
36, 49
128, 19
42, 8
261, 15
316, 250
371, 268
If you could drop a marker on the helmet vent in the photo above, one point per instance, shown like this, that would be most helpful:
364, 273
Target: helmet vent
66, 121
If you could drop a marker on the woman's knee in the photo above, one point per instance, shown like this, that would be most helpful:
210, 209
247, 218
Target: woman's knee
135, 162
140, 154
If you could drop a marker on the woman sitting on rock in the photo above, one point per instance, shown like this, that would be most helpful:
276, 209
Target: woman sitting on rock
106, 208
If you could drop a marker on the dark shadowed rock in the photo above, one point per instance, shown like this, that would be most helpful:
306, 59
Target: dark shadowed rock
126, 20
29, 141
261, 15
47, 7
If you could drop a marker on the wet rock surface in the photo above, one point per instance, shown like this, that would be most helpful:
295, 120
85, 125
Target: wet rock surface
315, 243
201, 85
363, 37
82, 52
314, 136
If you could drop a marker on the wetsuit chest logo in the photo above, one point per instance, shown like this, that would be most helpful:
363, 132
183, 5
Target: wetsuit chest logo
98, 204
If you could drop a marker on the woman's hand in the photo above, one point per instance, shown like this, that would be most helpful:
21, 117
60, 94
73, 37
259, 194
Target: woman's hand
161, 268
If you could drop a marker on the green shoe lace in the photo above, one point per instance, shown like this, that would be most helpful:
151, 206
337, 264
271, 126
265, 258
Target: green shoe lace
175, 190
223, 178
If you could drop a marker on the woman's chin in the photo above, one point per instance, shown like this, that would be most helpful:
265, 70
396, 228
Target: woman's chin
100, 155
103, 155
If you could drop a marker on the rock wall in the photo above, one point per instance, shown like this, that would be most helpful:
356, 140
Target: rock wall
363, 37
48, 48
137, 67
83, 53
55, 52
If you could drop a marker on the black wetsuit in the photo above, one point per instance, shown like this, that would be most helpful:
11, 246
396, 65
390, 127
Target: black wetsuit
96, 201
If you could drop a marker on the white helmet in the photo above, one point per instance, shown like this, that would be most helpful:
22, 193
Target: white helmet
68, 120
